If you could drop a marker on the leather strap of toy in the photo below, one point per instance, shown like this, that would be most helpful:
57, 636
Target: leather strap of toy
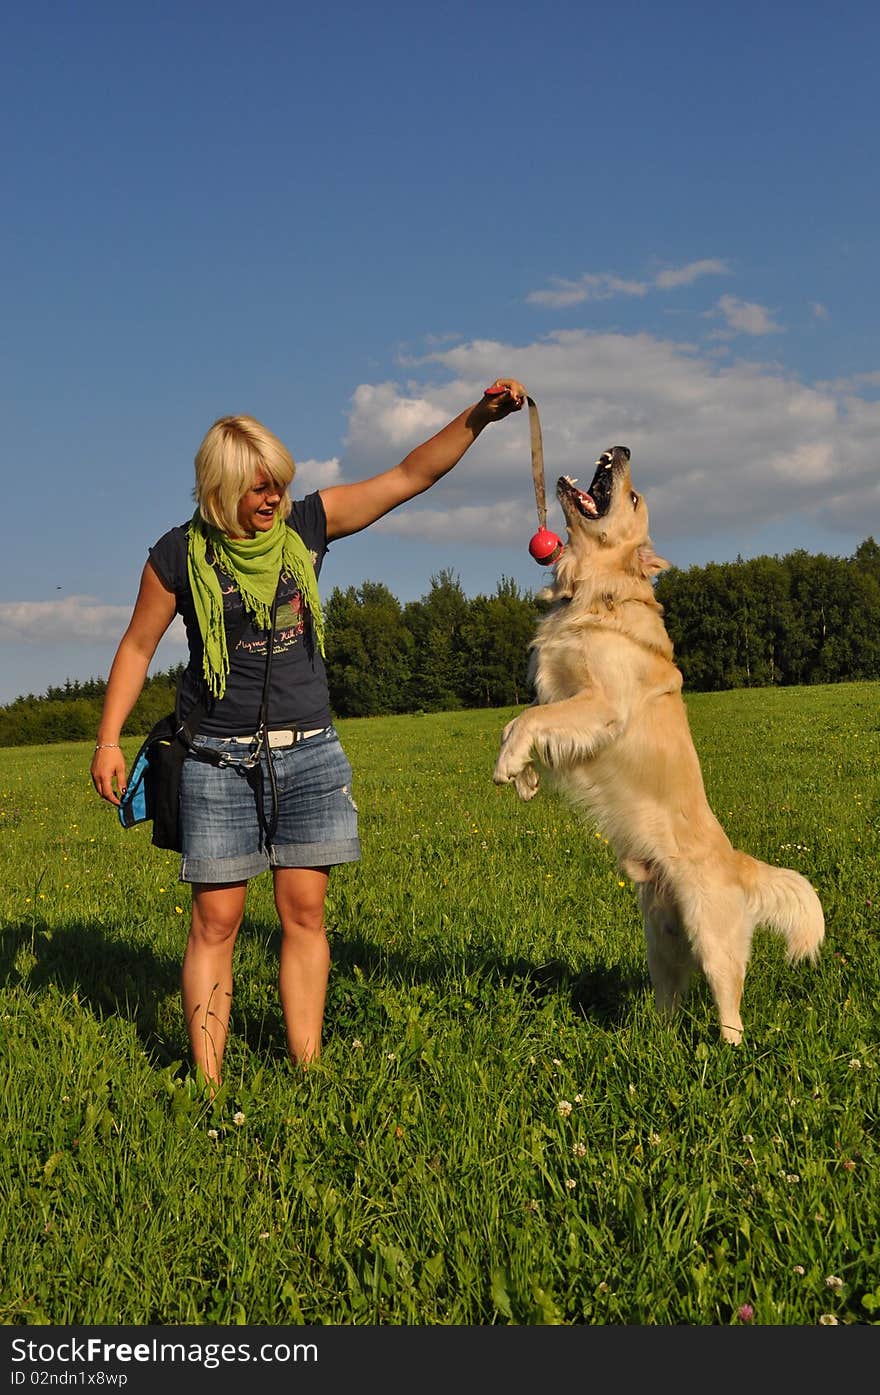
537, 444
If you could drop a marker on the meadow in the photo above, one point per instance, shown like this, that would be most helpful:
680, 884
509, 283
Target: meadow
500, 1130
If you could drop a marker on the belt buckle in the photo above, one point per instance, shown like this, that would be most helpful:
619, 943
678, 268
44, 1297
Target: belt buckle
279, 739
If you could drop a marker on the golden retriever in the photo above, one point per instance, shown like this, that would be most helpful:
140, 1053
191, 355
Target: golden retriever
609, 726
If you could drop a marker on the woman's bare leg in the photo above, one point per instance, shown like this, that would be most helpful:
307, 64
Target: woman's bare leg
206, 979
304, 965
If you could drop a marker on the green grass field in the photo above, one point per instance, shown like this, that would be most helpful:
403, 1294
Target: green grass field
500, 1129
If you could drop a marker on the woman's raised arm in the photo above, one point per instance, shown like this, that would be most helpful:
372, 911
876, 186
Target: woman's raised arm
351, 507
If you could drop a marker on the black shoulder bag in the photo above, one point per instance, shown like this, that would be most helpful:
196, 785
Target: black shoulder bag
153, 789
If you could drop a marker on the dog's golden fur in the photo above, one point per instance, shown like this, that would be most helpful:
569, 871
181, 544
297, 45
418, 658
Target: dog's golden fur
610, 728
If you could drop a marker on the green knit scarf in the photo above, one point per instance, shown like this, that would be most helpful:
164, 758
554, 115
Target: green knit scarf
255, 565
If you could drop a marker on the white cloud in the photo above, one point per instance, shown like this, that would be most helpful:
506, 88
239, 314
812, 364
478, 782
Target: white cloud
496, 523
853, 384
820, 312
315, 474
747, 317
718, 446
591, 286
73, 618
604, 285
394, 420
687, 275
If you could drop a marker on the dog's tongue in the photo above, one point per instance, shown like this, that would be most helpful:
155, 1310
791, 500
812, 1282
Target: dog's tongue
589, 502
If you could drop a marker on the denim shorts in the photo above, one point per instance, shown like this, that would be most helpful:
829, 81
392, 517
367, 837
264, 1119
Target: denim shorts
223, 837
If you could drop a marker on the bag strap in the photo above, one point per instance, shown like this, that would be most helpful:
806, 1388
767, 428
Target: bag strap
264, 702
263, 734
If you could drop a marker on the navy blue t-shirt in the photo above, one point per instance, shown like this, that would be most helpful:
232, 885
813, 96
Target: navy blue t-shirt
298, 694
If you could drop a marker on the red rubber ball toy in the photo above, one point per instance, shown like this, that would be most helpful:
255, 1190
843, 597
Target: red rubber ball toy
545, 547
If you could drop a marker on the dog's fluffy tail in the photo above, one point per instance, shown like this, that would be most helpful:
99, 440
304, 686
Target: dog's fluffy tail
785, 901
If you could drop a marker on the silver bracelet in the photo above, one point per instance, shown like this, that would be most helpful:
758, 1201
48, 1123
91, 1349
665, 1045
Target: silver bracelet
107, 746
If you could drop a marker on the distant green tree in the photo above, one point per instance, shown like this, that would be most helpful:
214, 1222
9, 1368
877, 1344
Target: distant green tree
369, 651
867, 558
802, 618
821, 593
435, 624
700, 624
773, 618
495, 638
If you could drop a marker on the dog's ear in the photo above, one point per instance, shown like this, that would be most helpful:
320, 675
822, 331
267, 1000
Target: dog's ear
647, 561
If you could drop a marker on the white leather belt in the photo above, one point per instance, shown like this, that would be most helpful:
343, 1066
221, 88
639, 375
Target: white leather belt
279, 739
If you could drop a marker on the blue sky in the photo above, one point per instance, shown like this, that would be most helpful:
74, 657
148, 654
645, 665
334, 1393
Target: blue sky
347, 219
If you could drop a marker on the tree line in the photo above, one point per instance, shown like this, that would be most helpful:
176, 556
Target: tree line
774, 621
768, 621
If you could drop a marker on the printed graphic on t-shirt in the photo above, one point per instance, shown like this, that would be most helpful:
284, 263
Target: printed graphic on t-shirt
290, 617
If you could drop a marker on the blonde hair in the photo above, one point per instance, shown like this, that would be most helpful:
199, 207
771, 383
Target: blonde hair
233, 451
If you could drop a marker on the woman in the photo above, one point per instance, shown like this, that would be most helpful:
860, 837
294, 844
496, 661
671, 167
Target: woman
220, 572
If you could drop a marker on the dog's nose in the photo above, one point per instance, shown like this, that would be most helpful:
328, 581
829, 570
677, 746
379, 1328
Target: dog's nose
624, 450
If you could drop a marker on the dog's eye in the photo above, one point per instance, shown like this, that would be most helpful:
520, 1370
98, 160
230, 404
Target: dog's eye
635, 498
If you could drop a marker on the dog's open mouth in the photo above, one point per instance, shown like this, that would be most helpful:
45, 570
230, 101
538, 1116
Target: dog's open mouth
595, 501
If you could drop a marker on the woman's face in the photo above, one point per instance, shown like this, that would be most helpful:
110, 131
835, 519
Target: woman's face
257, 508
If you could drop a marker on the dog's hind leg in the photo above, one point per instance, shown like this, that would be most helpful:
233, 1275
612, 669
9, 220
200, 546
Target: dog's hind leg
670, 960
722, 937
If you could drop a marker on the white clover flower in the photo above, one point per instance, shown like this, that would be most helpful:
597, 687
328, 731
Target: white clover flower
855, 1063
654, 1138
564, 1107
212, 1133
799, 1269
792, 1177
570, 1183
833, 1281
357, 1044
238, 1118
827, 1320
748, 1138
579, 1150
578, 1099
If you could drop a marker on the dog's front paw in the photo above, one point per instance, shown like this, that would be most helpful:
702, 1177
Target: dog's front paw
526, 782
511, 758
505, 770
514, 765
